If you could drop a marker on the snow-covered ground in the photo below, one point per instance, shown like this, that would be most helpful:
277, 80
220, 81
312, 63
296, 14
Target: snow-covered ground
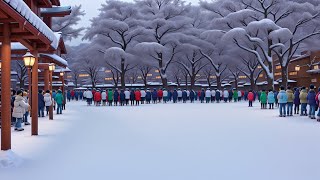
169, 142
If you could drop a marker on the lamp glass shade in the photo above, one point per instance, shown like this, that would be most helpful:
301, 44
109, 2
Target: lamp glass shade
29, 59
0, 64
297, 68
52, 67
61, 73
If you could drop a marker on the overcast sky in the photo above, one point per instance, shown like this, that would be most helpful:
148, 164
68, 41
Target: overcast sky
91, 9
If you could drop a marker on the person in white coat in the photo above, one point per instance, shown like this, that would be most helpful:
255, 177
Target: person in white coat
143, 95
213, 95
208, 95
19, 109
127, 96
104, 98
239, 95
225, 95
47, 101
165, 95
179, 95
89, 97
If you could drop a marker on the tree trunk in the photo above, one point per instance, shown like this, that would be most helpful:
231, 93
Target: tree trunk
284, 77
92, 82
236, 83
218, 82
164, 82
252, 82
270, 83
123, 74
192, 83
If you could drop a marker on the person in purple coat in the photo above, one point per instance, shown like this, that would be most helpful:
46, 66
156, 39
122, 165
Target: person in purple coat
311, 98
154, 96
296, 100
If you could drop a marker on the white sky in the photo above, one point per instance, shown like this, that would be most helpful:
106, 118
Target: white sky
91, 9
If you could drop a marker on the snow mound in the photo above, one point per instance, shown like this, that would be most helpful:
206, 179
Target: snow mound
9, 159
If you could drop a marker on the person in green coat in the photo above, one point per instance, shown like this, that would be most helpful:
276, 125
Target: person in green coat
235, 95
110, 97
59, 100
263, 99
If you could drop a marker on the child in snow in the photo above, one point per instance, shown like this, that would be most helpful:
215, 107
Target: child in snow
263, 99
250, 98
104, 98
282, 99
303, 100
296, 101
312, 102
290, 101
110, 97
271, 99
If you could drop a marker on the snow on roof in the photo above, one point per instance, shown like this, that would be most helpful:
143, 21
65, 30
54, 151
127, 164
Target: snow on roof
300, 57
314, 71
154, 83
22, 8
226, 84
58, 9
289, 81
57, 58
265, 83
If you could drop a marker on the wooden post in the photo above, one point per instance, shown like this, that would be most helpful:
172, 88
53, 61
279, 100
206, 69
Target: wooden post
34, 108
29, 87
5, 89
46, 79
50, 88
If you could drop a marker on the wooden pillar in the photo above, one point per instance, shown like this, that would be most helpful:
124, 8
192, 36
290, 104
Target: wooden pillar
29, 87
5, 89
34, 108
50, 88
46, 79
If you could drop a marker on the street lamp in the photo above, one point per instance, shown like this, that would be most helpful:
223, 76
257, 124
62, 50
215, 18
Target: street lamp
29, 60
61, 73
297, 68
52, 67
0, 65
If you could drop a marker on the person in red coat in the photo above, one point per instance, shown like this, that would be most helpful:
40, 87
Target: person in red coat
137, 95
72, 94
160, 95
97, 98
250, 98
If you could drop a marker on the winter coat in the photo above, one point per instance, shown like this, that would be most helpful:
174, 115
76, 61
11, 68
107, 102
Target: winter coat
122, 96
132, 96
154, 95
41, 102
290, 96
72, 93
165, 93
179, 93
311, 98
160, 93
230, 94
97, 97
208, 93
263, 97
127, 94
202, 95
143, 93
54, 94
184, 95
296, 97
276, 96
250, 96
110, 95
213, 93
303, 96
318, 99
239, 94
89, 95
137, 95
235, 95
104, 96
175, 95
68, 94
47, 99
282, 97
19, 107
271, 98
218, 95
116, 95
192, 94
148, 95
59, 98
226, 94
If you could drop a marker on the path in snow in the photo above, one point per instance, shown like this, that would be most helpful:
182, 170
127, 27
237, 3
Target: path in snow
174, 142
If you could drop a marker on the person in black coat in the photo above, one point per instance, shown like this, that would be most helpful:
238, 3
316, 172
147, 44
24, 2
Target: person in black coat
230, 95
116, 97
184, 96
41, 104
218, 96
148, 96
192, 95
132, 97
175, 96
122, 97
202, 95
170, 95
154, 96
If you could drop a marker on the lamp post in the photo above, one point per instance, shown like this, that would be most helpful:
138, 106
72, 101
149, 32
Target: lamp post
52, 67
62, 89
29, 60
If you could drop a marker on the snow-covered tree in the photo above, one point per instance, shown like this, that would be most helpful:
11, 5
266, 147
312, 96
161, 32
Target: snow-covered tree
145, 69
67, 25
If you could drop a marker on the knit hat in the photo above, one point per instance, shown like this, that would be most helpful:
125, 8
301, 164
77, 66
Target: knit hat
19, 92
311, 86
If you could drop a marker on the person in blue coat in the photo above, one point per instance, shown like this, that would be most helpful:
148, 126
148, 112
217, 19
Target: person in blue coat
271, 99
69, 95
311, 98
170, 95
276, 99
81, 95
132, 97
76, 95
192, 96
283, 100
116, 97
41, 104
148, 96
184, 96
175, 96
154, 96
122, 97
218, 96
202, 95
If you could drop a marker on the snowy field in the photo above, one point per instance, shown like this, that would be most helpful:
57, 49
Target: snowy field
169, 142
